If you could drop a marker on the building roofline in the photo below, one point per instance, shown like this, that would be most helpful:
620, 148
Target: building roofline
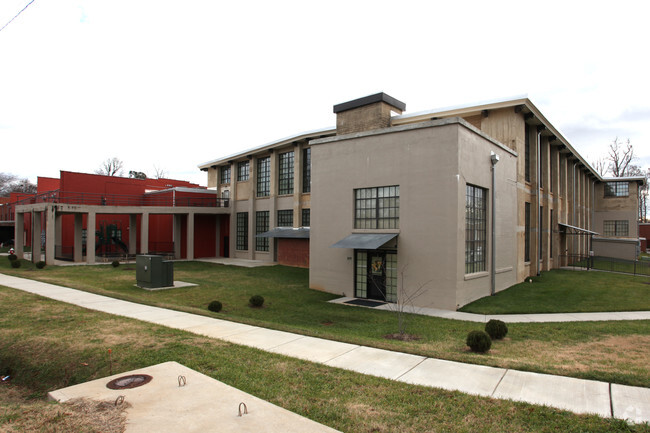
270, 145
477, 108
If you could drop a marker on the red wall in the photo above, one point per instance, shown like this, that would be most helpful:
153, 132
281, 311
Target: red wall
293, 252
644, 232
45, 184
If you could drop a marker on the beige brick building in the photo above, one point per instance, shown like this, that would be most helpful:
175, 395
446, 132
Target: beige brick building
461, 202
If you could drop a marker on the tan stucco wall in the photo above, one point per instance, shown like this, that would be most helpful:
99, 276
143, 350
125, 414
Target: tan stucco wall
616, 208
616, 248
432, 166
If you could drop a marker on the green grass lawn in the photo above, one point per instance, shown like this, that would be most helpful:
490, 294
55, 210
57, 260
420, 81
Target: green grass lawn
47, 345
572, 349
562, 291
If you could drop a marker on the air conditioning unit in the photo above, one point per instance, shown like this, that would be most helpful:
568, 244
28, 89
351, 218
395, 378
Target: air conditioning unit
154, 272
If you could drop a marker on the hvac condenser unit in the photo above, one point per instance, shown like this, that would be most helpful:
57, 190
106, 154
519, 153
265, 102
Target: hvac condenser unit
153, 272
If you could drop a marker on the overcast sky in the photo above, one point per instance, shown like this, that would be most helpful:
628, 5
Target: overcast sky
173, 84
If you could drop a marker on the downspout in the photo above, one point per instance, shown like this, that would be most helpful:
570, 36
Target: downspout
539, 191
494, 158
573, 208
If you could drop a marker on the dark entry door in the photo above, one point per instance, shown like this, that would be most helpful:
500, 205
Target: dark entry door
377, 275
226, 246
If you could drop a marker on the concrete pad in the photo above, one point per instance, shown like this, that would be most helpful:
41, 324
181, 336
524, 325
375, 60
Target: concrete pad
314, 349
177, 285
568, 393
631, 403
376, 362
261, 338
220, 328
202, 405
236, 262
456, 376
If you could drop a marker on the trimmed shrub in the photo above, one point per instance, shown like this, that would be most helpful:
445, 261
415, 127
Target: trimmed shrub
115, 263
12, 257
256, 301
40, 265
215, 306
15, 264
478, 341
496, 329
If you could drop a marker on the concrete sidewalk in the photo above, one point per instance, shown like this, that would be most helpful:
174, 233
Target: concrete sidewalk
511, 318
576, 395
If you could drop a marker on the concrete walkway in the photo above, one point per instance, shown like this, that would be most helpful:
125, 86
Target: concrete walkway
576, 395
512, 318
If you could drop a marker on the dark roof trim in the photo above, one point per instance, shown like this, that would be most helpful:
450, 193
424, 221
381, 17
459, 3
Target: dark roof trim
371, 99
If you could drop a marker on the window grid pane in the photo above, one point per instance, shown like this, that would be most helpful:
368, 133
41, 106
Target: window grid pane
225, 174
475, 229
617, 189
376, 208
285, 218
243, 170
361, 283
306, 170
264, 177
242, 231
619, 228
391, 277
285, 185
306, 217
261, 226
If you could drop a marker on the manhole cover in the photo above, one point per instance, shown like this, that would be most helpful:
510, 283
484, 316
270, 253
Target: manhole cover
132, 381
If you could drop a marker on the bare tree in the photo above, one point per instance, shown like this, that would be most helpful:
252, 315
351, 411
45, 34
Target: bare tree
158, 172
11, 183
600, 165
111, 167
620, 156
403, 304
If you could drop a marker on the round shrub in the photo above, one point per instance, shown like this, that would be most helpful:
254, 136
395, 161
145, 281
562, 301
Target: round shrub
15, 264
478, 341
256, 301
496, 329
40, 265
115, 263
215, 306
12, 257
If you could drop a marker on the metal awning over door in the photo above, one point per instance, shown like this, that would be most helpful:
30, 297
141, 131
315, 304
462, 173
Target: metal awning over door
364, 241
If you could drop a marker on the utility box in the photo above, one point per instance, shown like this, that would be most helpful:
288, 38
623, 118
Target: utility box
153, 272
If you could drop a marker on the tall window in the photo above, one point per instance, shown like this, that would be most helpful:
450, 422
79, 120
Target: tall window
616, 228
285, 176
527, 232
261, 226
242, 231
617, 189
551, 169
550, 241
285, 218
475, 229
225, 174
306, 170
243, 170
376, 208
527, 153
264, 177
306, 218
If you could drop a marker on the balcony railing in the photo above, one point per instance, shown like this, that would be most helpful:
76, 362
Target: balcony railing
169, 199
